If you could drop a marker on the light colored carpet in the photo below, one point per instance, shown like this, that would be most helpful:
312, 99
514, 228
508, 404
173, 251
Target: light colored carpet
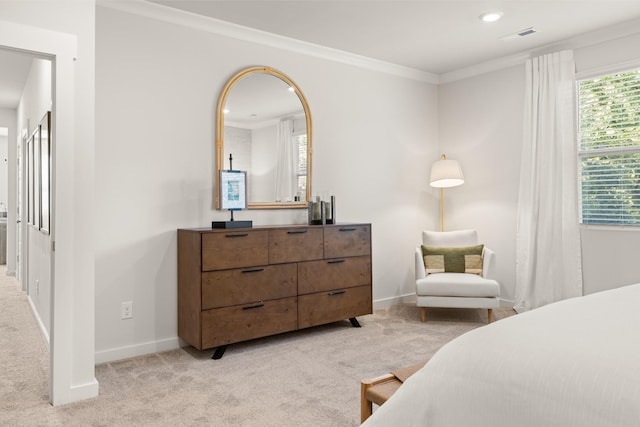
304, 378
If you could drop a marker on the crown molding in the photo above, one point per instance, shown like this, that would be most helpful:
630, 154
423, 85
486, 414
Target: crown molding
591, 38
484, 67
211, 25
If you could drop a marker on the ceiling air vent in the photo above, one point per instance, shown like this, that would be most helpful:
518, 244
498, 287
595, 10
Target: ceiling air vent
521, 33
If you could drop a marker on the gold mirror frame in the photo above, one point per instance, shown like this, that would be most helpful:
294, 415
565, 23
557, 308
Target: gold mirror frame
220, 137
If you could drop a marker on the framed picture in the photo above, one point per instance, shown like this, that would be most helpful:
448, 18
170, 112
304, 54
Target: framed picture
30, 180
233, 189
36, 177
45, 173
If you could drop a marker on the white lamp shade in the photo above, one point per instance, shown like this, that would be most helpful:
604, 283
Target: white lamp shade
446, 173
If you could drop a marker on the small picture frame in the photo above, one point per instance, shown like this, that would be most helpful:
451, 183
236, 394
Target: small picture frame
233, 189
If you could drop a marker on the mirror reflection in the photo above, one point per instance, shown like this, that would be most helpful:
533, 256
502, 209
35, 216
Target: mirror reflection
266, 128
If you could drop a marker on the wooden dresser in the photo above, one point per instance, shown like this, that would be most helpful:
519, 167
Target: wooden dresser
239, 284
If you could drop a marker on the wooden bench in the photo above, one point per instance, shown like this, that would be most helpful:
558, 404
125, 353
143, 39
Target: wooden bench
378, 390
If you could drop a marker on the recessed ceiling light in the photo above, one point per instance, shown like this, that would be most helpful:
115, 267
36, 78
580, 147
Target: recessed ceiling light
491, 16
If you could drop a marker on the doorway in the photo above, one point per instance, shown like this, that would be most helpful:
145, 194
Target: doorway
71, 311
26, 94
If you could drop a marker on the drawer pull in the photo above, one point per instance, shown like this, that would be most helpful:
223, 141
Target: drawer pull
249, 307
336, 293
296, 232
335, 261
252, 270
348, 229
237, 235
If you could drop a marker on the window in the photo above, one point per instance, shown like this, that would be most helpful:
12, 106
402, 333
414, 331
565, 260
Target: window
609, 149
301, 163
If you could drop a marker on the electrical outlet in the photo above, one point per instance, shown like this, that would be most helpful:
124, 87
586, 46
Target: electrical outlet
37, 287
127, 310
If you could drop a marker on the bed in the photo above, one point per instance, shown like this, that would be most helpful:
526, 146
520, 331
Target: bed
572, 363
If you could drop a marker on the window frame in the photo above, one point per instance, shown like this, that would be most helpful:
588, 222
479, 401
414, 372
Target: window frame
606, 151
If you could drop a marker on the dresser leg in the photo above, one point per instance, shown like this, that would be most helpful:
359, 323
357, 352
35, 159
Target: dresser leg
354, 322
219, 352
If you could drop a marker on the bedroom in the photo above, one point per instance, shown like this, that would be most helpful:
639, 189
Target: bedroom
156, 84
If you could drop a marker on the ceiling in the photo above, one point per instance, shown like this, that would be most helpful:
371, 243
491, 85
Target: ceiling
434, 36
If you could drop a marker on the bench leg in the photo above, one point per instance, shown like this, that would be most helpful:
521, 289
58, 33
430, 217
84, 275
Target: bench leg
490, 315
366, 408
423, 314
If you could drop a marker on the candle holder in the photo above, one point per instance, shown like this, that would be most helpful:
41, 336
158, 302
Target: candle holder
322, 211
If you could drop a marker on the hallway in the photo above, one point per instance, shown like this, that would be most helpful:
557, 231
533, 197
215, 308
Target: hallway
23, 356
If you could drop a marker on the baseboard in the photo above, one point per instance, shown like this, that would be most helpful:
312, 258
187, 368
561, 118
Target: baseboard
506, 303
387, 302
83, 391
43, 330
411, 298
128, 352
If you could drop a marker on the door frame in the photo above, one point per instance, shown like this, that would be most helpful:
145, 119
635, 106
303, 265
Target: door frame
72, 303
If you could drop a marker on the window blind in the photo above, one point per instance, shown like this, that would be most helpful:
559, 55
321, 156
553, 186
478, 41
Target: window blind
609, 149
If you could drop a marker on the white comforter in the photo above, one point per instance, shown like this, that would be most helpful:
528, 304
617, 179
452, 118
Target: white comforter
572, 363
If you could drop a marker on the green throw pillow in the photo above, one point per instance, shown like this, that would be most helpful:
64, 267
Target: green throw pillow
466, 259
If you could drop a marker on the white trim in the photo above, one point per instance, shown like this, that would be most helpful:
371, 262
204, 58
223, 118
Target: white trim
483, 68
84, 391
130, 351
397, 300
603, 227
620, 67
43, 329
506, 303
215, 26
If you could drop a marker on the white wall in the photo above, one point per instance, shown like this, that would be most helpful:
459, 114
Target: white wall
263, 172
481, 126
4, 171
36, 100
155, 163
8, 120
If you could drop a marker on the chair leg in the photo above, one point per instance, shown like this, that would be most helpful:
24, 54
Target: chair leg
423, 314
490, 315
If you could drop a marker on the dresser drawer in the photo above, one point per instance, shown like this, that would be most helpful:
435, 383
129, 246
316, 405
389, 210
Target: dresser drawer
244, 285
347, 240
234, 249
325, 275
295, 244
229, 325
326, 307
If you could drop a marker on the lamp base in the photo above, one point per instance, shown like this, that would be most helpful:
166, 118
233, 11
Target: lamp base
231, 224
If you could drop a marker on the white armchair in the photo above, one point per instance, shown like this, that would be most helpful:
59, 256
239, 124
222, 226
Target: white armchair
456, 290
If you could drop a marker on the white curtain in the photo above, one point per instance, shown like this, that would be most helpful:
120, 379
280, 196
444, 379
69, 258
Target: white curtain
548, 249
286, 185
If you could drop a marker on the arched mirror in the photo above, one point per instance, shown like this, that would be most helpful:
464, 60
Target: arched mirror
264, 123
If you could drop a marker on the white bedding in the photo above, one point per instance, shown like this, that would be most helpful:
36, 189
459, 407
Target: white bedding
572, 363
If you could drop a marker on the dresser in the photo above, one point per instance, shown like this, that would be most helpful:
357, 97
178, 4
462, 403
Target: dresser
239, 284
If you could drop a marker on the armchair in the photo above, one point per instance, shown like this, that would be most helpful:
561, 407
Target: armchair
456, 290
